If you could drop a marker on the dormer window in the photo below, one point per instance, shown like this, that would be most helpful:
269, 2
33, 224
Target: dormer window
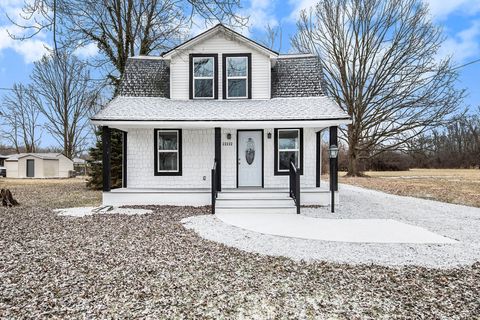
203, 76
237, 76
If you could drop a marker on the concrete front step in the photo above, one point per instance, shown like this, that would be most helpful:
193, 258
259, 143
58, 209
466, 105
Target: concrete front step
252, 201
256, 210
253, 195
262, 202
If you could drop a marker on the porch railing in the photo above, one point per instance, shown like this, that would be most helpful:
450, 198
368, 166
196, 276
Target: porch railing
295, 185
214, 186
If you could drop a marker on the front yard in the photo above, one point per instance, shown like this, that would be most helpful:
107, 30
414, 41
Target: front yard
459, 186
140, 266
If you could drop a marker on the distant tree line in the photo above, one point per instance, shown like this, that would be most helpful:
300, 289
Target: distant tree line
455, 145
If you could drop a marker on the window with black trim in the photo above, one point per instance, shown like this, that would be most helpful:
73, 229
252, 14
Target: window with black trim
237, 76
203, 76
168, 152
288, 148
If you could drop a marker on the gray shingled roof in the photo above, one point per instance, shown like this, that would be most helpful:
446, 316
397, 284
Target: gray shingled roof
162, 109
145, 77
297, 76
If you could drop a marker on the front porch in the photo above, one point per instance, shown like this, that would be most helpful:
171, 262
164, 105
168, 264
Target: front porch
248, 175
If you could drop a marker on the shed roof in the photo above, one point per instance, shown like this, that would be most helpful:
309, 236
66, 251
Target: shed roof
44, 156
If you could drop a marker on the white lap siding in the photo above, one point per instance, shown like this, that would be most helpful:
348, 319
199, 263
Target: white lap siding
198, 150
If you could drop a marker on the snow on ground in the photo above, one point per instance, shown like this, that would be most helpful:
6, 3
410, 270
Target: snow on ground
88, 211
456, 222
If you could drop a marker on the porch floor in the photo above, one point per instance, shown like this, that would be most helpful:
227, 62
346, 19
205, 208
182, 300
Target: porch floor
344, 230
194, 190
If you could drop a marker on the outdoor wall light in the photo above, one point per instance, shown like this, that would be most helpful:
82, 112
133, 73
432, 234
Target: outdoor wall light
333, 151
229, 136
269, 135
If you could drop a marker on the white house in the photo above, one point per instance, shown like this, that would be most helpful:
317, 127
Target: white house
38, 165
222, 120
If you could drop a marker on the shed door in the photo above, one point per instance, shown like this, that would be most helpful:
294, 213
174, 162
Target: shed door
30, 168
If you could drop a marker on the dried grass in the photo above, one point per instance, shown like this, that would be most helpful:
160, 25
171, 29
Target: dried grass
150, 266
459, 186
52, 193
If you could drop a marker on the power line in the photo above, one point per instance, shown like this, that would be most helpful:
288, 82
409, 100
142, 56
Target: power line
466, 64
454, 68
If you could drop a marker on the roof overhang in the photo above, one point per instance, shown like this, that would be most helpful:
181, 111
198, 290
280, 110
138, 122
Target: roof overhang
311, 123
148, 112
214, 30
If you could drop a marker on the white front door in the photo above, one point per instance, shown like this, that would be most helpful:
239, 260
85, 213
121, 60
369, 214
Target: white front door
250, 156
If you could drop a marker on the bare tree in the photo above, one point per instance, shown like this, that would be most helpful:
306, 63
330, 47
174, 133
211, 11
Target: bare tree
64, 95
273, 37
21, 119
380, 64
122, 28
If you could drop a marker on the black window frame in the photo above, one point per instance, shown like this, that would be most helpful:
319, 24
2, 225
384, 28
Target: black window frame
179, 153
277, 172
249, 74
215, 75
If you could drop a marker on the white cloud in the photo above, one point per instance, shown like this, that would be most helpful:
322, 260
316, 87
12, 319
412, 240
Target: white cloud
463, 45
261, 13
30, 49
88, 51
440, 9
298, 6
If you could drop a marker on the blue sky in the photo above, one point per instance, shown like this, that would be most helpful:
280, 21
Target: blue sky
460, 20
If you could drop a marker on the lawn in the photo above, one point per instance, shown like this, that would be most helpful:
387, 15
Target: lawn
459, 186
152, 267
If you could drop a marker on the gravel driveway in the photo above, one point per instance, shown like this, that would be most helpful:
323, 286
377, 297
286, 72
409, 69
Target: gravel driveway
150, 266
457, 222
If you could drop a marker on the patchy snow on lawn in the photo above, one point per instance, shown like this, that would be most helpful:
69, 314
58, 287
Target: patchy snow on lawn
455, 222
88, 211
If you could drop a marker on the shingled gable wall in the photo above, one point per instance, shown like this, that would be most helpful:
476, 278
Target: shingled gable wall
298, 76
146, 77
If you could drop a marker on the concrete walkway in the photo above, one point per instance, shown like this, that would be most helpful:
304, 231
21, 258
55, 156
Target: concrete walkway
343, 230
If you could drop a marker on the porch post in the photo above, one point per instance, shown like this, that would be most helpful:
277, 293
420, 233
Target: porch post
333, 162
218, 156
318, 157
106, 166
124, 159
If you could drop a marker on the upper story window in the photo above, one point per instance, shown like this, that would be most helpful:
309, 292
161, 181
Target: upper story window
203, 76
237, 76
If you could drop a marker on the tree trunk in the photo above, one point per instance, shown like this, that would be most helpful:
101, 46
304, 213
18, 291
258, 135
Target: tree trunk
7, 199
353, 164
353, 169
